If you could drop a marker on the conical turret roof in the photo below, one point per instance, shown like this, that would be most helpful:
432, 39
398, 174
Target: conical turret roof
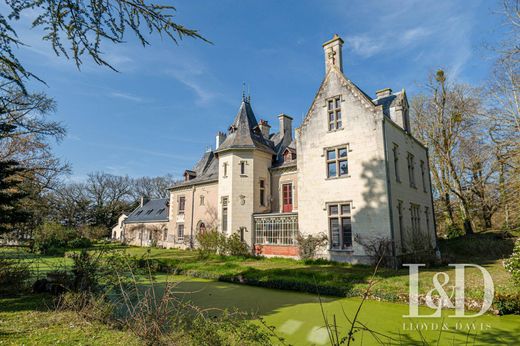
244, 133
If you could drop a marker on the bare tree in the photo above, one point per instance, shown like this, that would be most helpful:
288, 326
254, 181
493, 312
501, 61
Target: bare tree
444, 115
153, 187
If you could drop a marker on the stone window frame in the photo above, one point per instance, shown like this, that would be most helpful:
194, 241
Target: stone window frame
415, 218
340, 216
336, 123
225, 220
180, 235
183, 204
423, 175
395, 151
410, 158
225, 169
243, 164
262, 192
337, 160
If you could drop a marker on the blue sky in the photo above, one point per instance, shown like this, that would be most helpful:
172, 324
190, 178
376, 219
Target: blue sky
163, 109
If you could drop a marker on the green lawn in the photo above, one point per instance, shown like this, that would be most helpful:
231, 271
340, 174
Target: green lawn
28, 320
336, 279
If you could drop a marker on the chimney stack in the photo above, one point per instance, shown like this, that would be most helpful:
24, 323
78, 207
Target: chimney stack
221, 137
383, 93
144, 200
265, 128
333, 53
285, 125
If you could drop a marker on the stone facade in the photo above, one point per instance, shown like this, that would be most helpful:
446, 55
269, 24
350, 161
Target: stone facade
353, 172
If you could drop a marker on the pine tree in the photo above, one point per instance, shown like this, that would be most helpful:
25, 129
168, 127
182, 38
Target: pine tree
11, 190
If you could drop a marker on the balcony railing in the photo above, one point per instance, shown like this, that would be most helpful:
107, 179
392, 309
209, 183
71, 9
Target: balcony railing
276, 229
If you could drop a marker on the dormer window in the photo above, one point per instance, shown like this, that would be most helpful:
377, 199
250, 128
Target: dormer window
334, 113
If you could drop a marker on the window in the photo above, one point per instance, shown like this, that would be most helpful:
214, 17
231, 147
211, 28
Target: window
182, 204
180, 232
337, 162
148, 212
242, 167
340, 226
224, 168
201, 200
395, 151
160, 211
202, 227
411, 169
422, 176
400, 222
427, 218
334, 113
276, 229
262, 192
224, 214
415, 214
139, 213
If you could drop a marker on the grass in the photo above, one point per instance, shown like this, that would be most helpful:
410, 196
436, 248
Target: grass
28, 320
336, 279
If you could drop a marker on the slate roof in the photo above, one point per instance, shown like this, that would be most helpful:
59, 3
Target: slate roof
244, 133
153, 210
206, 170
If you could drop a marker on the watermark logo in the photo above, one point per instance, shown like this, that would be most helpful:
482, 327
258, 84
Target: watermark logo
456, 298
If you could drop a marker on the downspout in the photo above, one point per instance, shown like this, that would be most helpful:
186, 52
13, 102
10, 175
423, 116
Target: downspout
389, 189
192, 212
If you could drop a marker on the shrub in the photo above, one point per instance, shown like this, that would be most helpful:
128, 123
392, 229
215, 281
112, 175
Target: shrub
453, 231
236, 247
80, 243
52, 238
377, 248
14, 275
309, 245
210, 242
507, 304
512, 264
86, 272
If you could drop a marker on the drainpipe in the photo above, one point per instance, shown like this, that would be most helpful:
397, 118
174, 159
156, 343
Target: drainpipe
192, 212
389, 190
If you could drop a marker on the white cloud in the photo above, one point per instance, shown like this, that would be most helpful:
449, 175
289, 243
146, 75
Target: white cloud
126, 96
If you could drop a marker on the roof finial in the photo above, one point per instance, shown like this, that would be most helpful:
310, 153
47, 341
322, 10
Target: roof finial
244, 91
248, 94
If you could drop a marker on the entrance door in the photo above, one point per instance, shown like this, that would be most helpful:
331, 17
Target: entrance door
287, 198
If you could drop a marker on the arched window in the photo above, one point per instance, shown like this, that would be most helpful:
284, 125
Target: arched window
202, 227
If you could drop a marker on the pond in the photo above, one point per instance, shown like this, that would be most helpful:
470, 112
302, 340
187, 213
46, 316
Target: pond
298, 317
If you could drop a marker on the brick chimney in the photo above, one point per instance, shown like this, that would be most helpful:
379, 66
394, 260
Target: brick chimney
285, 125
264, 127
333, 53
